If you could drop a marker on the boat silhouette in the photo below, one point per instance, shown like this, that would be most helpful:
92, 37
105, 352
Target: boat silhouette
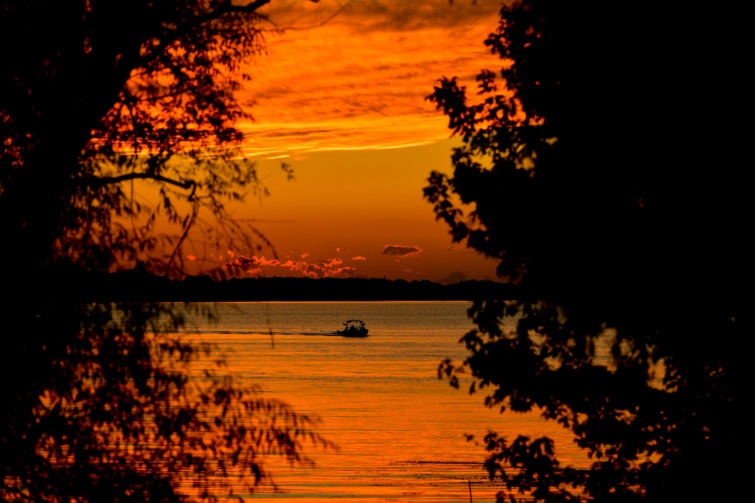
353, 328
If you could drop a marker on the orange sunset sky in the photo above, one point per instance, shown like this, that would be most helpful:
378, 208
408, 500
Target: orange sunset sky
340, 96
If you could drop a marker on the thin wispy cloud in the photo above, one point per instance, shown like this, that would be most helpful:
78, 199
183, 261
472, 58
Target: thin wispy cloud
259, 265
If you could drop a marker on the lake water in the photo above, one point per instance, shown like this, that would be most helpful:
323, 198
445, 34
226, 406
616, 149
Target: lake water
399, 428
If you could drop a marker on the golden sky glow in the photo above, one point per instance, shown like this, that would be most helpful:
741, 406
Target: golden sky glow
340, 96
359, 80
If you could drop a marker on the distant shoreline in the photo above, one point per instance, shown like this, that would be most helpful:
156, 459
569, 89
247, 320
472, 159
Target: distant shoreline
135, 287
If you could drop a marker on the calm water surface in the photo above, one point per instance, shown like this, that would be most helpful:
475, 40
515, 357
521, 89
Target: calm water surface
400, 430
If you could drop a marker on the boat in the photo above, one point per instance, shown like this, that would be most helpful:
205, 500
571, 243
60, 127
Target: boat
353, 328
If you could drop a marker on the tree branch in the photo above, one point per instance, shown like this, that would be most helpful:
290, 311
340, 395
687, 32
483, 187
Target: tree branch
170, 34
96, 182
225, 8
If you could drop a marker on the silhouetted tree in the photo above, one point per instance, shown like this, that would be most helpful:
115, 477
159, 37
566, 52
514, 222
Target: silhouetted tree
102, 103
98, 97
602, 166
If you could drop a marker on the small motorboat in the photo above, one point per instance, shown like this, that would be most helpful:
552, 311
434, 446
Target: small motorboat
353, 328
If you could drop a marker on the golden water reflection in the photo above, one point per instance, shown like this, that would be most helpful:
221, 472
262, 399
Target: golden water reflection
401, 432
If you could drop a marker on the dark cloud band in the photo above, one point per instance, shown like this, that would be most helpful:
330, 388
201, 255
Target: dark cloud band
402, 251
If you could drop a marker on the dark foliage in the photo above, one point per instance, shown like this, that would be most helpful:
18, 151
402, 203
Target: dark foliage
102, 403
602, 165
113, 116
120, 122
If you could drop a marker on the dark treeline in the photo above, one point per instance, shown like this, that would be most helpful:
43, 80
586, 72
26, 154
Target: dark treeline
140, 287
